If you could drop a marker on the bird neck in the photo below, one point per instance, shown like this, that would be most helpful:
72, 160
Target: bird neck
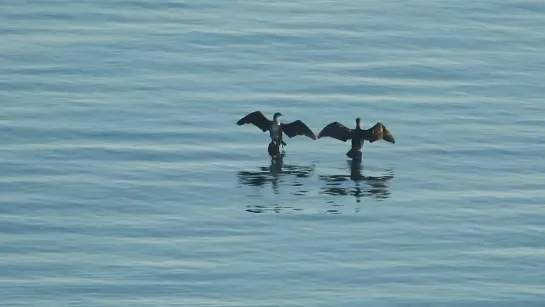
276, 121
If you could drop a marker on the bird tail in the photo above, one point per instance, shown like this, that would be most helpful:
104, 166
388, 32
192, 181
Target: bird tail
353, 154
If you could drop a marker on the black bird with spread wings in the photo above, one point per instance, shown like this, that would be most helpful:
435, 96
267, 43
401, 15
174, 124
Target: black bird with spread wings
276, 128
358, 135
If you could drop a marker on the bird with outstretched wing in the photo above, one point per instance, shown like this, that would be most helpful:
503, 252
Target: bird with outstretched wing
276, 129
358, 135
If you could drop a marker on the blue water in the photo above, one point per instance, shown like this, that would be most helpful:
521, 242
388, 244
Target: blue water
126, 182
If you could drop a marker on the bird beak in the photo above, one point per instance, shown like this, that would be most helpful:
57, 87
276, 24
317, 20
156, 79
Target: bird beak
281, 114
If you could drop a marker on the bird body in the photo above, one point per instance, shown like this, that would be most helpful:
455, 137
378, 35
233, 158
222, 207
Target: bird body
276, 129
357, 136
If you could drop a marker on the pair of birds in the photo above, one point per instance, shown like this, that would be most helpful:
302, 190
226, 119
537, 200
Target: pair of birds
334, 130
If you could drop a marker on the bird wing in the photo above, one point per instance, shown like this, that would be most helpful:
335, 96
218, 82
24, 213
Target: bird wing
256, 118
337, 131
379, 132
297, 128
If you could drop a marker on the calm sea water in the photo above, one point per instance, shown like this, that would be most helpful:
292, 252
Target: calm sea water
126, 182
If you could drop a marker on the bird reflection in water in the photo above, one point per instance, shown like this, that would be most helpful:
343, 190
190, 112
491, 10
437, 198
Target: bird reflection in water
277, 174
377, 186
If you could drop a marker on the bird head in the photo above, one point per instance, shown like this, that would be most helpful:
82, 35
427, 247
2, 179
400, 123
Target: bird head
358, 121
277, 115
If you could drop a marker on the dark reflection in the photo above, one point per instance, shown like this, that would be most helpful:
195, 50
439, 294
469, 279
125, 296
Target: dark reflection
365, 186
269, 208
275, 174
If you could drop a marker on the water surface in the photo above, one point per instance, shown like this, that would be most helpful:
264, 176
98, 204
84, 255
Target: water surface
126, 182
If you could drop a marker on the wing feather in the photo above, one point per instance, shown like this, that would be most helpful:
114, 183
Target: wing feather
379, 132
297, 128
337, 131
256, 118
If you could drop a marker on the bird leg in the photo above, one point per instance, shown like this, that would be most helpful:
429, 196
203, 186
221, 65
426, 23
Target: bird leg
279, 142
359, 155
282, 141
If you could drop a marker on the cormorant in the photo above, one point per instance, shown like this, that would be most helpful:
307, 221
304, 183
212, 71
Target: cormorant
276, 128
358, 135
